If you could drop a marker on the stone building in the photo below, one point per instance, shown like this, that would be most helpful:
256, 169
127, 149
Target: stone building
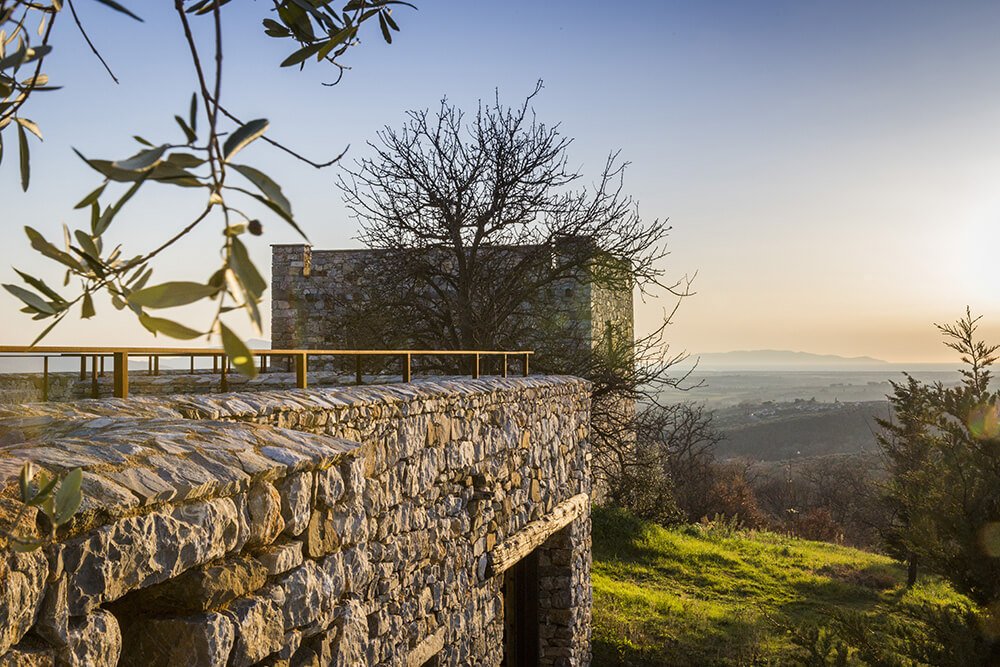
431, 523
312, 289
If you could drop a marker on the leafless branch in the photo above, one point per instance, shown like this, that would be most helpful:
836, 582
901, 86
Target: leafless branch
86, 37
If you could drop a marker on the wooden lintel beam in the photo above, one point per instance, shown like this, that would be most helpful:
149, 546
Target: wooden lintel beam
529, 538
426, 649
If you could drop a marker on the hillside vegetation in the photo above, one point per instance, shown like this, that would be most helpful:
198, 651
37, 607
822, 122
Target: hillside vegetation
714, 595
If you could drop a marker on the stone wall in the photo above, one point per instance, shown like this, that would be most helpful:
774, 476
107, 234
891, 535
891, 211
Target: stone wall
313, 292
359, 526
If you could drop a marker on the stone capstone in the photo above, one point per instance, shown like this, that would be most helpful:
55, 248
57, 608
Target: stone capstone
143, 550
202, 588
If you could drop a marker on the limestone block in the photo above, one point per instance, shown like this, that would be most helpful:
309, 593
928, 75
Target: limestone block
202, 640
352, 635
139, 551
352, 469
321, 537
283, 658
351, 526
329, 487
264, 506
296, 502
29, 656
299, 595
52, 623
259, 630
358, 570
22, 585
94, 641
199, 589
280, 558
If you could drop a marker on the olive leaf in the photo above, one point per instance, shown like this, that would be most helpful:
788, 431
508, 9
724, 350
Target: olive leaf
156, 325
245, 134
171, 294
237, 351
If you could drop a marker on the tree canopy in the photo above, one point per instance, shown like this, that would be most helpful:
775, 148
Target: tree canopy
203, 159
488, 238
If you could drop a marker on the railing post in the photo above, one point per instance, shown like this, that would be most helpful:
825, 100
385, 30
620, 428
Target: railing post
102, 365
526, 357
223, 380
357, 369
263, 362
215, 363
475, 366
301, 368
406, 368
503, 369
121, 374
192, 364
156, 364
45, 379
94, 393
83, 367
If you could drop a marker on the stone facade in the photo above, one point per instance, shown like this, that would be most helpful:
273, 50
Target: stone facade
310, 288
372, 525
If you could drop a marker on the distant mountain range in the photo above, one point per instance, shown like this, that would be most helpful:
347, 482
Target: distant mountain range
783, 360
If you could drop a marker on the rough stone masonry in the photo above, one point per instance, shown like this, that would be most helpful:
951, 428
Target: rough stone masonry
369, 525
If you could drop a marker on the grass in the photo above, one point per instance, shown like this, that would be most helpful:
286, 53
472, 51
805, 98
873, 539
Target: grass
713, 595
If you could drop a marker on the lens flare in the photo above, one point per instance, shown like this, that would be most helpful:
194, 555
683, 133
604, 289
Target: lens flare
984, 422
989, 539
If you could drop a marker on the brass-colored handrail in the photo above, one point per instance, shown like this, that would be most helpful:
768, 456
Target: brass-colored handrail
220, 362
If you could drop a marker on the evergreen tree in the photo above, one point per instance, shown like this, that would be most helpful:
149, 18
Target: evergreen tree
942, 449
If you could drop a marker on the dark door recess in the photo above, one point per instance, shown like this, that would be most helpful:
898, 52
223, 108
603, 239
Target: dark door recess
520, 610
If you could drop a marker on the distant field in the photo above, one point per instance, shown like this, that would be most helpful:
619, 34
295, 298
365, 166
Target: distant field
729, 388
698, 596
781, 415
780, 431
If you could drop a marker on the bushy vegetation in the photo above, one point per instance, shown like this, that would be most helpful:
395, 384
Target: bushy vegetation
716, 594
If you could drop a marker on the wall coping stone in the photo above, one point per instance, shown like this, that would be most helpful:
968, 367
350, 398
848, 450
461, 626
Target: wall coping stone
144, 451
131, 465
260, 403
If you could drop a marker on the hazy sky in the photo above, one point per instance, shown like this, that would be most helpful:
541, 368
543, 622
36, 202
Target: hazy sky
831, 170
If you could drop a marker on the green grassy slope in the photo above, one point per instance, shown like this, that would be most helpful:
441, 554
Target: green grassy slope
714, 596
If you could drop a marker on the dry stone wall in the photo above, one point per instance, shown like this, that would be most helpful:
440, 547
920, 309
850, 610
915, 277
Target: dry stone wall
312, 292
356, 526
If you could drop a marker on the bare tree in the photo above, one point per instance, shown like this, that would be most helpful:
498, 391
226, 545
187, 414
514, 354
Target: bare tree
489, 238
480, 218
669, 472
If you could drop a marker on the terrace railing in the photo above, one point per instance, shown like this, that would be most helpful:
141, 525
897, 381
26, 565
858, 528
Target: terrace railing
299, 359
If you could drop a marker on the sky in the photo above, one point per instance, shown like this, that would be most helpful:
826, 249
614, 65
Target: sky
830, 170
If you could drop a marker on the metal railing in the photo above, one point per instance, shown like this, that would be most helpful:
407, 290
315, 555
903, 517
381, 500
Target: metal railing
299, 359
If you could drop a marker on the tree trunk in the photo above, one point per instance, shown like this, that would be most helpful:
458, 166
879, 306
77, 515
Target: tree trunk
911, 571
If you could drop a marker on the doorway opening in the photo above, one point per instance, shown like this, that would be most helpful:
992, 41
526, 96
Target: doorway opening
520, 598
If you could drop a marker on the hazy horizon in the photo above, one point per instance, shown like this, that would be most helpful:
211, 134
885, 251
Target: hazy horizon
829, 170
